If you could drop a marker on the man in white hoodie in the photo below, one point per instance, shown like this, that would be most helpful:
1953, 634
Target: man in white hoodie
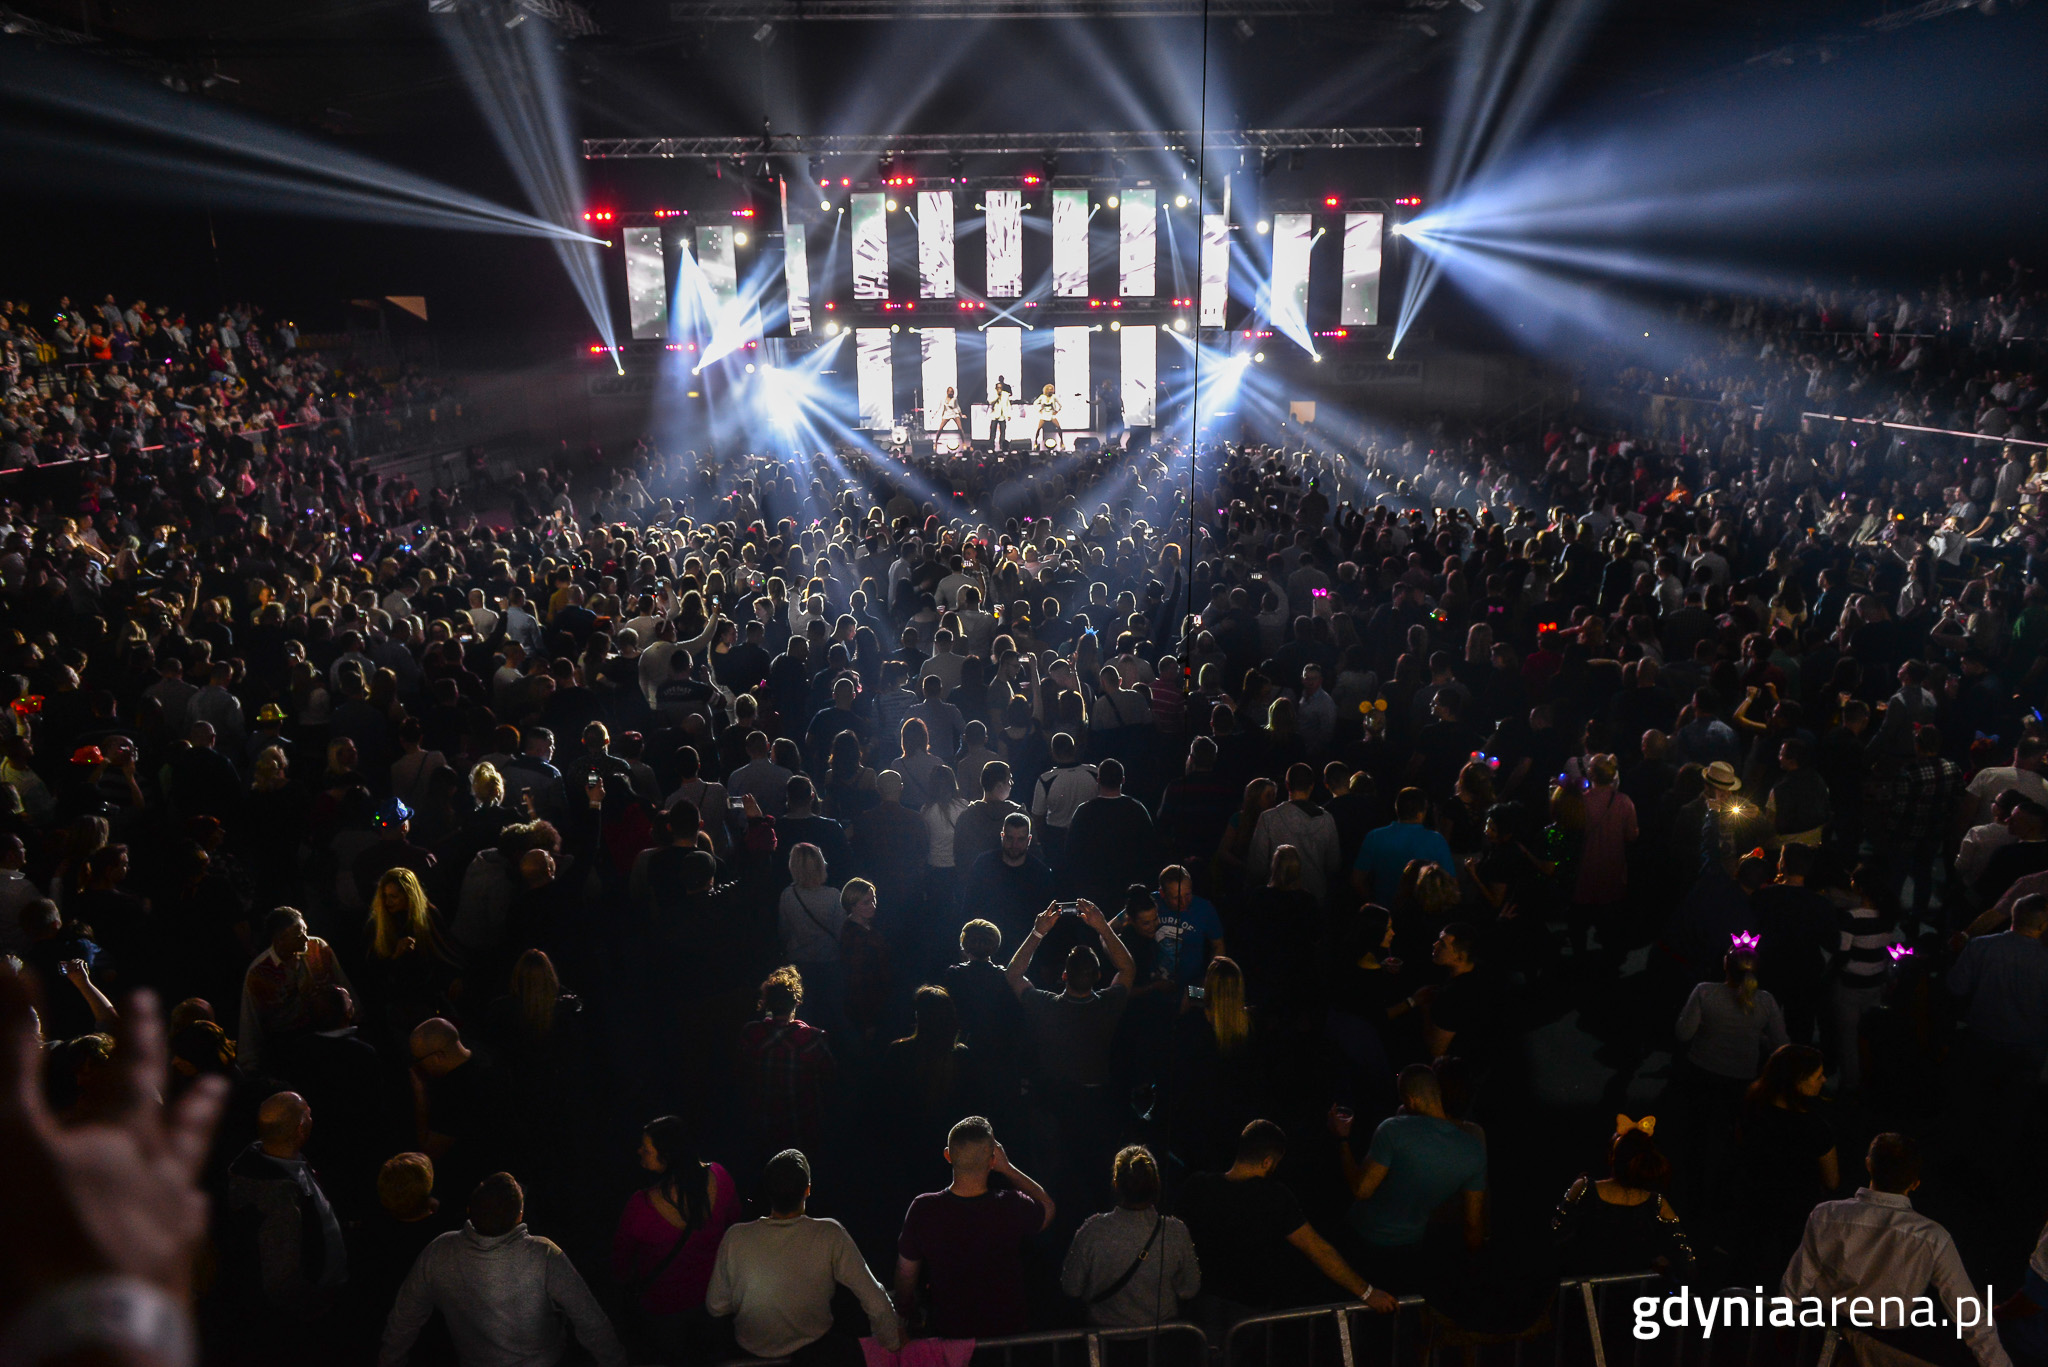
509, 1297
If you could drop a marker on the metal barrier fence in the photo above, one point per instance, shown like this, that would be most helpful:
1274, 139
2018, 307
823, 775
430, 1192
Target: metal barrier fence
1185, 1346
1588, 1323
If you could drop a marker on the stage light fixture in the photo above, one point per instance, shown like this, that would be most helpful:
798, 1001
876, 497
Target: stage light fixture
516, 18
739, 239
832, 327
1264, 226
1259, 356
1244, 29
1180, 325
1116, 325
750, 367
825, 205
1399, 230
1330, 202
1180, 201
890, 205
1111, 201
765, 36
895, 327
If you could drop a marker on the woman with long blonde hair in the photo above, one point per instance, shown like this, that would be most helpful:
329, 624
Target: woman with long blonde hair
406, 970
1215, 1084
399, 921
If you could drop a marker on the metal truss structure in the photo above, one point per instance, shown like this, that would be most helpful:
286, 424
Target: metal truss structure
1048, 144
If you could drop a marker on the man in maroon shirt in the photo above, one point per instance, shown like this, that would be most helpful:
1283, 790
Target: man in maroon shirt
967, 1241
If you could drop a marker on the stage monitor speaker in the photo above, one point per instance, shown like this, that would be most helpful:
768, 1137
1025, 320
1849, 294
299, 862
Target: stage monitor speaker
1087, 446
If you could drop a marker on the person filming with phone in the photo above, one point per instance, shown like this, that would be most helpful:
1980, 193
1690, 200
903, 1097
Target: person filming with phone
1073, 1117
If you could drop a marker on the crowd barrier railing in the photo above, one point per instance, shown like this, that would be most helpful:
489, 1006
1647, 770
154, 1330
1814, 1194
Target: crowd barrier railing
1187, 1343
1581, 1327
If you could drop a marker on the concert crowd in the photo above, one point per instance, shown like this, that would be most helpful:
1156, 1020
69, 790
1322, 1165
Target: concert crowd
705, 906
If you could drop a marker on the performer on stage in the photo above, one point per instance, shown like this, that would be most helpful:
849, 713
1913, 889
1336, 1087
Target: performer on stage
999, 415
949, 412
1048, 409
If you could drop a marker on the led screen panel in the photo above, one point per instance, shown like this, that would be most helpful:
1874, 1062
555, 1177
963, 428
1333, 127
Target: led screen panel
1137, 237
646, 283
1291, 241
1215, 300
1141, 374
870, 247
1363, 243
1070, 244
1070, 375
796, 270
935, 244
941, 371
1006, 363
721, 268
1003, 227
875, 378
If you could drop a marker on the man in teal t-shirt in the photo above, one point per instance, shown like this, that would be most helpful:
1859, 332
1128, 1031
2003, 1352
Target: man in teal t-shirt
1386, 851
1418, 1160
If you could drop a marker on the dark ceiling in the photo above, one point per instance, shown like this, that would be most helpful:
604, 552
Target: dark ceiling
376, 77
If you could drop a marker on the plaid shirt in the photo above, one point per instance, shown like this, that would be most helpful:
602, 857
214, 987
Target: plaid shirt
784, 1066
1923, 797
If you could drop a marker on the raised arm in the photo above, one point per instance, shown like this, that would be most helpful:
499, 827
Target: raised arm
1126, 967
1020, 962
1025, 1183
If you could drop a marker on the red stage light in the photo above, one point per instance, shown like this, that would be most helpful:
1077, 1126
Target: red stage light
1331, 201
1031, 180
844, 181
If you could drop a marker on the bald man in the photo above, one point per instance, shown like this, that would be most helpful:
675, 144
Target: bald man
455, 1104
282, 1256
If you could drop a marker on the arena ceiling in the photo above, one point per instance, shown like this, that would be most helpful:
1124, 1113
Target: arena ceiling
374, 68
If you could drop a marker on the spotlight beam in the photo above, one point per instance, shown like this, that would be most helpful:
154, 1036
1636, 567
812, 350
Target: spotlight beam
89, 94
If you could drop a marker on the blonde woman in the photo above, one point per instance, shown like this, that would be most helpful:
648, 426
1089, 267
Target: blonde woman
406, 971
1047, 410
1213, 1083
810, 917
1131, 1266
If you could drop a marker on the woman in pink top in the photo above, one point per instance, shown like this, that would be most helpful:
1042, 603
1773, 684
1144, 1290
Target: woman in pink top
1603, 857
668, 1238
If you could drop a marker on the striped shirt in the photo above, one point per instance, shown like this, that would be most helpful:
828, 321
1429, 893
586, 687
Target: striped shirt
1866, 933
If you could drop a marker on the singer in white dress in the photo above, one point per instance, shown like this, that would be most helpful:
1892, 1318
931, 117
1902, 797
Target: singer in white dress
1047, 407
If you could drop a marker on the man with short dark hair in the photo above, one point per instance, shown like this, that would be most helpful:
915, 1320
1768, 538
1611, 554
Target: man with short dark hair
979, 827
1876, 1246
966, 1242
775, 1276
1010, 884
1109, 845
1301, 822
509, 1298
1376, 875
1419, 1159
1240, 1220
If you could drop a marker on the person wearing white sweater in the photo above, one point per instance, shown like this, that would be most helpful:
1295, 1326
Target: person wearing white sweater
509, 1297
775, 1276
